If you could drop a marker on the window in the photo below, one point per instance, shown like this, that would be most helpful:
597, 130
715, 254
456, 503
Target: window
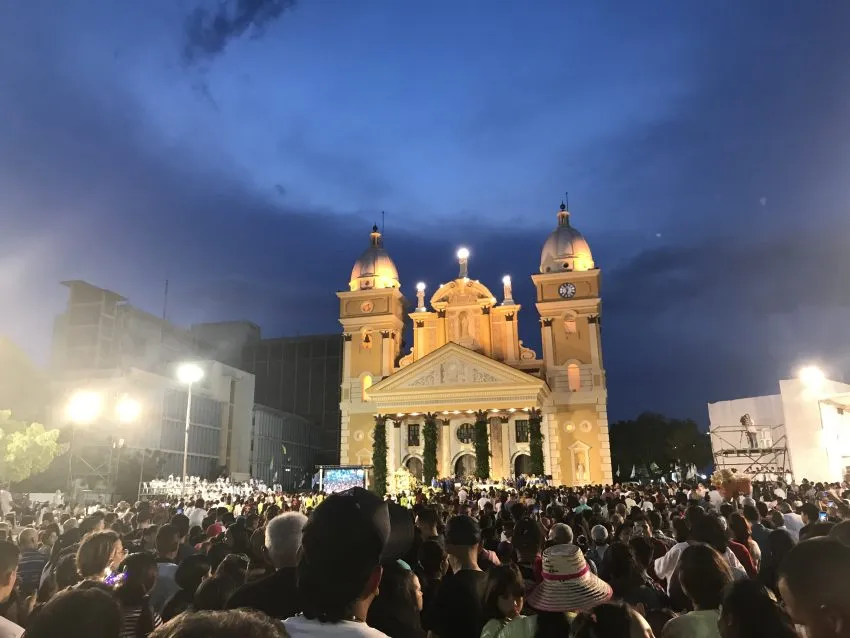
521, 431
765, 438
574, 377
465, 433
413, 435
367, 383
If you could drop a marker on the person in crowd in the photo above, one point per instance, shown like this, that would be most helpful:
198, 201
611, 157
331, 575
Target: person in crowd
528, 544
750, 610
793, 522
77, 613
339, 567
99, 555
182, 525
9, 557
32, 562
559, 534
276, 595
703, 575
213, 593
196, 514
504, 597
397, 607
628, 577
167, 545
813, 585
234, 568
134, 580
456, 610
189, 575
599, 538
779, 545
426, 521
222, 624
433, 565
611, 620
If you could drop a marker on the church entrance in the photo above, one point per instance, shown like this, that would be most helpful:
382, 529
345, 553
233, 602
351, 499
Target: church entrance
414, 466
465, 466
522, 465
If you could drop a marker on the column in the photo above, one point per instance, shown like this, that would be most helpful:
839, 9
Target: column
346, 358
386, 353
418, 339
442, 335
604, 443
343, 437
445, 426
548, 342
392, 450
497, 460
506, 444
511, 352
552, 448
547, 444
595, 350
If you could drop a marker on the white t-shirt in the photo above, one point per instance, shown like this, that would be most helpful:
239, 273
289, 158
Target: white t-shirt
301, 627
5, 502
196, 516
462, 495
8, 629
694, 624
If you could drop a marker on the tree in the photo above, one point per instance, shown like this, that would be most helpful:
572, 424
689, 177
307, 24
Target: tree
429, 452
482, 446
535, 443
379, 455
653, 444
25, 448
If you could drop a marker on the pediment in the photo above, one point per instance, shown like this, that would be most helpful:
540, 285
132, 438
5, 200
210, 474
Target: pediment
454, 366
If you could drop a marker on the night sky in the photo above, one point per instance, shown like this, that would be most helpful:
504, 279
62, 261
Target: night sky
705, 147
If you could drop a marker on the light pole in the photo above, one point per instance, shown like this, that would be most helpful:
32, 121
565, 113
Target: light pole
83, 408
188, 374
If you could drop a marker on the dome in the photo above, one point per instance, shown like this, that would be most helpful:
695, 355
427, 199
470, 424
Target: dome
565, 249
374, 268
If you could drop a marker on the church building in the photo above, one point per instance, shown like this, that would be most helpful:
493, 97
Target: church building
467, 359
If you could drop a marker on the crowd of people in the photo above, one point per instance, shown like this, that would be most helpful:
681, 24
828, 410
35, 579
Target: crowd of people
461, 561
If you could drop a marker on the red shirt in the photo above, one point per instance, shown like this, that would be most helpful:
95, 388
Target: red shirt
744, 557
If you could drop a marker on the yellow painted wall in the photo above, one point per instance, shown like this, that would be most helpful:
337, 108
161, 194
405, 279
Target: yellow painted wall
586, 286
360, 426
576, 416
571, 346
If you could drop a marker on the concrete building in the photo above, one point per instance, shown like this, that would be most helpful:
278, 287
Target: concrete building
801, 432
106, 346
467, 359
301, 375
284, 448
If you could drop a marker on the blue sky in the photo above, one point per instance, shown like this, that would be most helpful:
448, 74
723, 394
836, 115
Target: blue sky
706, 148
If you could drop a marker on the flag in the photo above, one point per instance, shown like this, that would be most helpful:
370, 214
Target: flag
283, 449
271, 465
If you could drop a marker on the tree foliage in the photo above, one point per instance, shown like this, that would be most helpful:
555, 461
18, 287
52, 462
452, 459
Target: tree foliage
654, 444
482, 446
429, 452
25, 448
379, 455
535, 443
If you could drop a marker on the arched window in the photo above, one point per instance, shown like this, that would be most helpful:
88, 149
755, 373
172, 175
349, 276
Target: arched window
465, 433
366, 384
574, 377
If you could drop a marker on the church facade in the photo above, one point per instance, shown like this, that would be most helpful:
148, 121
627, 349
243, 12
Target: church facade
468, 363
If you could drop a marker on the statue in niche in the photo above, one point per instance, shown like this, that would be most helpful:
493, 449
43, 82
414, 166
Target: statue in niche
581, 461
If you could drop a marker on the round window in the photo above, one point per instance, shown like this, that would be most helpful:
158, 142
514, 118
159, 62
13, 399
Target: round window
465, 433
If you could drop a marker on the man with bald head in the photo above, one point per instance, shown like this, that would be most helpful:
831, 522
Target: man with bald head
813, 585
31, 563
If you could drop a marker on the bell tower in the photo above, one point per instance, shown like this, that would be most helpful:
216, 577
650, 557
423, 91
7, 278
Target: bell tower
371, 312
569, 303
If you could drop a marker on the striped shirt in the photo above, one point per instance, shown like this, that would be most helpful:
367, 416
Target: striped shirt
30, 567
130, 621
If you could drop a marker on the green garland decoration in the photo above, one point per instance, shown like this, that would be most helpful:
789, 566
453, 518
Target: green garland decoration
379, 455
482, 446
535, 443
429, 452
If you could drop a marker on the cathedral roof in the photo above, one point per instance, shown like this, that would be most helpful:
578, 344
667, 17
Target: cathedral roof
374, 268
566, 248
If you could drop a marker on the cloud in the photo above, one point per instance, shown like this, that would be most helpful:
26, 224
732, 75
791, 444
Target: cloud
208, 30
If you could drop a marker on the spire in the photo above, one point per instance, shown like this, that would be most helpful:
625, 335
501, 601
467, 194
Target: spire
375, 237
564, 212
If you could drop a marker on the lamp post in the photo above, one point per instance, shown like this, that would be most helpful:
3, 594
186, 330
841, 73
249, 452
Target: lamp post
188, 374
83, 408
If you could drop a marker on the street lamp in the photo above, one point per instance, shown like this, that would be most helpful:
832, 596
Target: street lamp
84, 407
127, 410
188, 374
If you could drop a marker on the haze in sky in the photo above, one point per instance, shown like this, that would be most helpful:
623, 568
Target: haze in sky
242, 150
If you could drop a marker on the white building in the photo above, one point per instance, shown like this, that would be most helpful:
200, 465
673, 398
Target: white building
803, 431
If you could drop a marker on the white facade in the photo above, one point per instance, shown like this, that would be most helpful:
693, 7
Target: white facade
813, 425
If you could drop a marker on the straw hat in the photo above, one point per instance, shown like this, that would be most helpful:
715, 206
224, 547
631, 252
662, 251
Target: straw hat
568, 584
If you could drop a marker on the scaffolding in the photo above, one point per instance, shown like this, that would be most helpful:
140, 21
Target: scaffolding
744, 448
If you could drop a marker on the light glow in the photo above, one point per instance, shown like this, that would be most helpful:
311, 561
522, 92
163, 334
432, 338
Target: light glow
420, 287
127, 409
463, 253
84, 407
812, 377
189, 373
506, 280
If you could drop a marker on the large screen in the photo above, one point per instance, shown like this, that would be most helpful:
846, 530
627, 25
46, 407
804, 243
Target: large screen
339, 479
